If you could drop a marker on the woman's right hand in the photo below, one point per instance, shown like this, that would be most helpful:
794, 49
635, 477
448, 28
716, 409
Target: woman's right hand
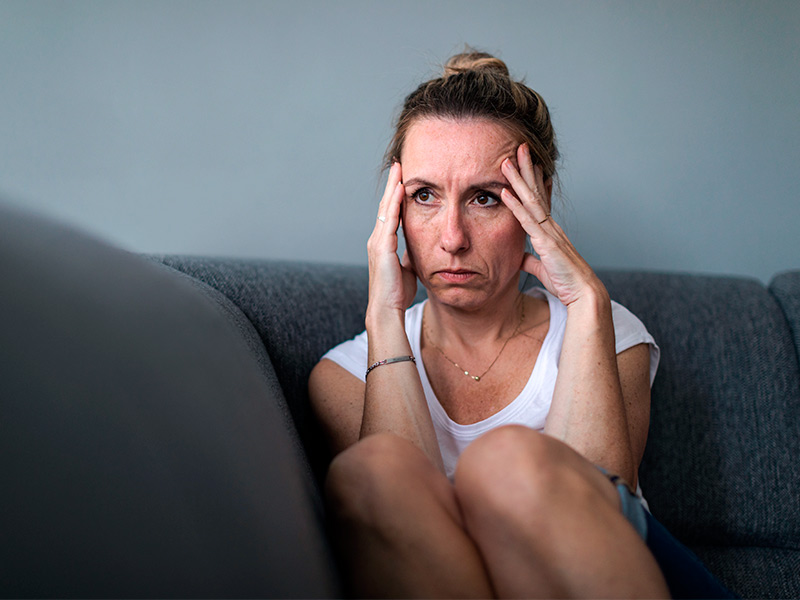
392, 283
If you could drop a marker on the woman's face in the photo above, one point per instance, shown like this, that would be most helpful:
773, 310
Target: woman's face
466, 246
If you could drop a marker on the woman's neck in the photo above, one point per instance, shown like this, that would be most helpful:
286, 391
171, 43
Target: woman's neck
493, 323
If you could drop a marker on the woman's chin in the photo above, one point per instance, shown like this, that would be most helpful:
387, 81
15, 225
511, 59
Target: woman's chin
460, 297
472, 295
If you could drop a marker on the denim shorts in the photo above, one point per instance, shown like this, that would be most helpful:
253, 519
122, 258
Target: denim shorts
631, 505
686, 575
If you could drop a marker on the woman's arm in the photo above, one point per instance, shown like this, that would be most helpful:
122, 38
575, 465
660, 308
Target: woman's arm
592, 410
392, 400
337, 398
601, 403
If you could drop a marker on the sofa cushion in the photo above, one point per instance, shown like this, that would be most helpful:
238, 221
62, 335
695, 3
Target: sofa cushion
721, 463
755, 572
143, 451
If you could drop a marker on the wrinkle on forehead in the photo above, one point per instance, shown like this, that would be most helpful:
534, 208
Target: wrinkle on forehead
456, 149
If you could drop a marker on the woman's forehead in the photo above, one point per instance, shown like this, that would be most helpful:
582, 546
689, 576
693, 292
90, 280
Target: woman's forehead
464, 145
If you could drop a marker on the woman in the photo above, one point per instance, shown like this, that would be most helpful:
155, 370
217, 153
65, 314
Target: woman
475, 431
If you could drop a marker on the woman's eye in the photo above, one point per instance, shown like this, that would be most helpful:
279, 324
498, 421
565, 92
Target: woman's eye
423, 196
486, 200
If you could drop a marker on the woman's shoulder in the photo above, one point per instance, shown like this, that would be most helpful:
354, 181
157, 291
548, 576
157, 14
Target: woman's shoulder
628, 328
351, 355
629, 331
626, 324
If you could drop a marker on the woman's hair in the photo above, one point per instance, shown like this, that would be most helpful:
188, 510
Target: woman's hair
476, 85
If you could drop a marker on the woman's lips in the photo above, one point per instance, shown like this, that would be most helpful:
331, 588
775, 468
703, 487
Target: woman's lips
456, 276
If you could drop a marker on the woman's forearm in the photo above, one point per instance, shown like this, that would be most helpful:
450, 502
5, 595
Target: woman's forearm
588, 410
394, 399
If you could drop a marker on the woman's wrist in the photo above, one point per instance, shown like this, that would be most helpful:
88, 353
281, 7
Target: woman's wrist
592, 311
594, 298
379, 319
386, 331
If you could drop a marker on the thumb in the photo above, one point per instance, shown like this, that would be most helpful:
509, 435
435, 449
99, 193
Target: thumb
409, 278
532, 265
407, 263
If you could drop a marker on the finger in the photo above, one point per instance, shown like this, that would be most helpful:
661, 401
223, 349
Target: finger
525, 217
395, 175
390, 203
533, 175
392, 215
385, 232
529, 214
543, 189
530, 198
525, 163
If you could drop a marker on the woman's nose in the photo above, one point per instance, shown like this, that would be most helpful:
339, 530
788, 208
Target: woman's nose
454, 235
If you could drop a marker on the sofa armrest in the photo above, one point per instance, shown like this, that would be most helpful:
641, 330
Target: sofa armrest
143, 450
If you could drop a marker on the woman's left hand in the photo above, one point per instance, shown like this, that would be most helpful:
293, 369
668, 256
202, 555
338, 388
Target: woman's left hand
559, 267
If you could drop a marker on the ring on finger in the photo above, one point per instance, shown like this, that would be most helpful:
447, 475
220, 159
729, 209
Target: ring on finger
382, 219
545, 219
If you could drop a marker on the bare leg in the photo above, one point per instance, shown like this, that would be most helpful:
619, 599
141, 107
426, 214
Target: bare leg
548, 522
398, 525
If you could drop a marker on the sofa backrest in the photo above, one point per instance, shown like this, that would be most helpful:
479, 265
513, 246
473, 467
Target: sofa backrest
786, 289
721, 462
721, 465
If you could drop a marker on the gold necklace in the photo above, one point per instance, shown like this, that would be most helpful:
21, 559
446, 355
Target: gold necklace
462, 369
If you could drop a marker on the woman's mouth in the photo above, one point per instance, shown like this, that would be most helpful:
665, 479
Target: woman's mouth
456, 275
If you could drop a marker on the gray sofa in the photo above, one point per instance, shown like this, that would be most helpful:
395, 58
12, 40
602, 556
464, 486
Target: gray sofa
156, 437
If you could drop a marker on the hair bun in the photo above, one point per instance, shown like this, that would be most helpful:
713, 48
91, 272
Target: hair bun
473, 60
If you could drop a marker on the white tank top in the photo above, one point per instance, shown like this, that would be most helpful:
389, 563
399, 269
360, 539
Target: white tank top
530, 408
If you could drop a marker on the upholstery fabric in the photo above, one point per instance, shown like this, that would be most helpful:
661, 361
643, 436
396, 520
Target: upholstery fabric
725, 402
786, 289
300, 311
143, 452
725, 416
728, 392
755, 572
728, 423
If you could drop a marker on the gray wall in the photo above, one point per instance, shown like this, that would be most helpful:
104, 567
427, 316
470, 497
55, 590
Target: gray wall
257, 128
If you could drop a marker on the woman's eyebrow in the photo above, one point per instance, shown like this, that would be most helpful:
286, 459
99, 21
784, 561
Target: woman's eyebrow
420, 182
487, 185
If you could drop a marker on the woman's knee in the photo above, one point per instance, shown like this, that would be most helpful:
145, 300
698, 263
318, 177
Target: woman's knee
515, 467
364, 480
507, 453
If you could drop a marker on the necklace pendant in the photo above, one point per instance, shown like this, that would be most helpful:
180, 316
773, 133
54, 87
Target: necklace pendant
476, 377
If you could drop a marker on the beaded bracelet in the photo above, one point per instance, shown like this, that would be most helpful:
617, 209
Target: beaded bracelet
389, 361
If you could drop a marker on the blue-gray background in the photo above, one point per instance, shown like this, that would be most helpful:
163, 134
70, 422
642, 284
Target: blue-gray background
256, 129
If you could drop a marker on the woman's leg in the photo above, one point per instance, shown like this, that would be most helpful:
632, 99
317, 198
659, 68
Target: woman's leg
398, 526
548, 522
